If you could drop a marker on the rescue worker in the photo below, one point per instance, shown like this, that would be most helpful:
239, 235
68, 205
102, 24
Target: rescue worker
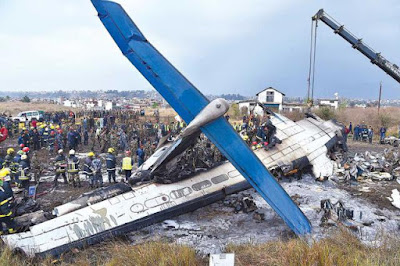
72, 139
85, 137
35, 139
97, 176
87, 168
5, 176
9, 159
73, 169
245, 137
127, 165
111, 163
60, 165
51, 140
140, 155
24, 174
6, 196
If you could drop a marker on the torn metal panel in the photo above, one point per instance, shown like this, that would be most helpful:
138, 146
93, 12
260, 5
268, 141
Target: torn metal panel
92, 197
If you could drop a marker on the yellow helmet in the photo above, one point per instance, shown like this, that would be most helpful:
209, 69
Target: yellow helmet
111, 150
52, 127
10, 151
90, 154
4, 172
43, 126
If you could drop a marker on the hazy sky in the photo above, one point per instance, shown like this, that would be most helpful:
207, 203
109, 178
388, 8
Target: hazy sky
222, 46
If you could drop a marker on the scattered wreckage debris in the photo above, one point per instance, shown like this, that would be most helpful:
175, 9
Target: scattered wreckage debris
391, 140
370, 165
395, 198
241, 202
334, 213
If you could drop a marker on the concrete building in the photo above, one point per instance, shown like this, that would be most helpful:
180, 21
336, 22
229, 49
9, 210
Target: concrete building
332, 103
271, 98
109, 106
294, 107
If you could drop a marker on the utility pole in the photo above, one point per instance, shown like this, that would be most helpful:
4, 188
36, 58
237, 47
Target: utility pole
380, 95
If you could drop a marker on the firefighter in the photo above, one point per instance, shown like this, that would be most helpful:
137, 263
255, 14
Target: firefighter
24, 174
127, 165
9, 162
26, 151
87, 168
60, 165
73, 169
6, 196
111, 162
9, 159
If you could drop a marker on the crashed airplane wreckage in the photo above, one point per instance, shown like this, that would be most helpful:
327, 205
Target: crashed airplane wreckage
101, 215
95, 217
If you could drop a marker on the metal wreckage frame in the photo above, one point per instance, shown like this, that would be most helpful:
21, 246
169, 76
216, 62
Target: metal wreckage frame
101, 214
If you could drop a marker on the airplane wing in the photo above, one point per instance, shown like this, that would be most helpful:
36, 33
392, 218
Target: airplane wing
188, 102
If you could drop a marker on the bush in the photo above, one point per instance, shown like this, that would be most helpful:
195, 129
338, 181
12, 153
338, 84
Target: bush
385, 119
326, 113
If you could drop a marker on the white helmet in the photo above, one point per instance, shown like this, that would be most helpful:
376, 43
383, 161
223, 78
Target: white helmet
60, 151
72, 152
24, 157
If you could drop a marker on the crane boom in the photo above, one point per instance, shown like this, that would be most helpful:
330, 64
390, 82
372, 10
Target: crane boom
376, 58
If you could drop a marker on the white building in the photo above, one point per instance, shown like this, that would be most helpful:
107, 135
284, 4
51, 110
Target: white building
271, 98
247, 106
68, 103
108, 106
332, 103
294, 107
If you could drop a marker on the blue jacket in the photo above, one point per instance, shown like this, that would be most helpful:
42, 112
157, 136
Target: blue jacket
140, 154
71, 136
96, 165
87, 166
111, 161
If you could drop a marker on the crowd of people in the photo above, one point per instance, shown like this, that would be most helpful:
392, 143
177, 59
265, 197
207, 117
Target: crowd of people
362, 132
86, 143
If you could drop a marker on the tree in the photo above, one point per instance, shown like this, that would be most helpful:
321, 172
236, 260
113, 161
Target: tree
25, 99
235, 110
